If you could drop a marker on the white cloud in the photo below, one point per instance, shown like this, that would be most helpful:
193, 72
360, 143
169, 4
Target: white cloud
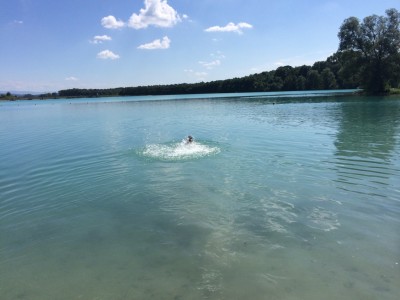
155, 12
198, 75
218, 55
279, 63
201, 74
111, 22
230, 27
98, 39
107, 54
210, 65
157, 44
71, 78
17, 22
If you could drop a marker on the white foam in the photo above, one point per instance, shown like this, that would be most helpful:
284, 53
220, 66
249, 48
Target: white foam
278, 214
178, 151
323, 220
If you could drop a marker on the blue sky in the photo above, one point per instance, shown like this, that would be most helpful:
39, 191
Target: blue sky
48, 45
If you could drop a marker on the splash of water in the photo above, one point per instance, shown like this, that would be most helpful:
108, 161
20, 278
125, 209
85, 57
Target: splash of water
179, 151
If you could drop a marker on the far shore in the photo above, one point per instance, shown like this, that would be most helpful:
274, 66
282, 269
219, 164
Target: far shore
55, 96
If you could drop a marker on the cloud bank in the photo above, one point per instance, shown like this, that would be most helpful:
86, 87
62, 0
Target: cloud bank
157, 44
230, 27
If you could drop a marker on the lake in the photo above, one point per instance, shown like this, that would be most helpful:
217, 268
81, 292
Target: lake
280, 196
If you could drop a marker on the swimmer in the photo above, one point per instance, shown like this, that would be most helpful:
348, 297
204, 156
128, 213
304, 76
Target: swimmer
189, 139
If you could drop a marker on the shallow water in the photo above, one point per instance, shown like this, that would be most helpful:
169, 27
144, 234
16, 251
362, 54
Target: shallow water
279, 197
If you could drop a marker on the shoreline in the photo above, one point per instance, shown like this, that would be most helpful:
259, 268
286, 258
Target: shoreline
346, 92
337, 92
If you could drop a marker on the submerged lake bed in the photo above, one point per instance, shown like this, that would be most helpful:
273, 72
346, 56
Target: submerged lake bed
280, 196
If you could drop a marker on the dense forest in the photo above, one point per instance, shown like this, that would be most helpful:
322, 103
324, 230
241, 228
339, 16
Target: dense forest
322, 75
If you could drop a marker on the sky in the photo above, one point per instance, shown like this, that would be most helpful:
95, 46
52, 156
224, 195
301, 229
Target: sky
50, 45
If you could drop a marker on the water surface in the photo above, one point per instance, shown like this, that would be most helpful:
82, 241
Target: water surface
282, 196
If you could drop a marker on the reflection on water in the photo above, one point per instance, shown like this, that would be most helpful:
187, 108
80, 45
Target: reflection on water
366, 146
287, 201
368, 130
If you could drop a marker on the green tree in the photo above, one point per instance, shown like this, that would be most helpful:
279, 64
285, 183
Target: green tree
328, 79
371, 48
303, 70
301, 83
314, 81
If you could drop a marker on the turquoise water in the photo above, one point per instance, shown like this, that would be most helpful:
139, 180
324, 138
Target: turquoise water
281, 196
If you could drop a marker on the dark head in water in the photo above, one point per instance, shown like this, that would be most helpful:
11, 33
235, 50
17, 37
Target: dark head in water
189, 139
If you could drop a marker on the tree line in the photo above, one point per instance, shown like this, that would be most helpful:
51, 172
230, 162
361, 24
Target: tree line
368, 57
322, 75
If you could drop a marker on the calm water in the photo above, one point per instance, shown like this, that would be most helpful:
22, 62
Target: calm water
280, 197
